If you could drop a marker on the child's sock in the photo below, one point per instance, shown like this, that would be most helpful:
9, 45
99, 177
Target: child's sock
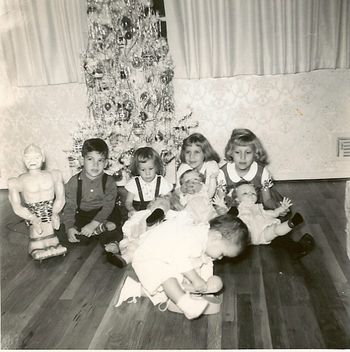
103, 227
112, 247
295, 220
192, 307
116, 260
156, 216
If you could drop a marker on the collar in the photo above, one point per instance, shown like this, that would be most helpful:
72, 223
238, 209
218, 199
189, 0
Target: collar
82, 176
231, 170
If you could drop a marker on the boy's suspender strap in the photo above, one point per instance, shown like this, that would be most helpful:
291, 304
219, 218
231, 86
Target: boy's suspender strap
157, 187
79, 191
104, 181
139, 189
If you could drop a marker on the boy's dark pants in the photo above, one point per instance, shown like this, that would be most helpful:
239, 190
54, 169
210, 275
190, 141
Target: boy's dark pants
82, 218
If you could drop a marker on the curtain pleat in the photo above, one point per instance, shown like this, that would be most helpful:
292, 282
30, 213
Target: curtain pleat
223, 38
43, 40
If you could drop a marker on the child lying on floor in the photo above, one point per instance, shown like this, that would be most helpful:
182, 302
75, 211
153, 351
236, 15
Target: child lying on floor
176, 250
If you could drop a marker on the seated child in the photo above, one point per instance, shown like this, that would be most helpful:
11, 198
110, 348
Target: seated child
91, 199
148, 182
43, 193
175, 250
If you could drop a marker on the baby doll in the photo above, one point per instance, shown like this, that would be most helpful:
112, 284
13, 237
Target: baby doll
43, 193
262, 224
192, 196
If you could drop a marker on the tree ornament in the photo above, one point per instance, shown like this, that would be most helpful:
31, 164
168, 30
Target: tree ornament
108, 106
144, 96
124, 115
136, 62
128, 105
128, 35
126, 22
143, 116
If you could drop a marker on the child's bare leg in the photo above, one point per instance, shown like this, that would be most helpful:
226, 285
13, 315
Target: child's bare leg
192, 308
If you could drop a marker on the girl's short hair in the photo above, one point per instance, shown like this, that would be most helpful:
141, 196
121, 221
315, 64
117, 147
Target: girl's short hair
95, 145
142, 155
245, 137
232, 228
199, 140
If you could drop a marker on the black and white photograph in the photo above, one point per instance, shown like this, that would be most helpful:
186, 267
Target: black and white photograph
175, 174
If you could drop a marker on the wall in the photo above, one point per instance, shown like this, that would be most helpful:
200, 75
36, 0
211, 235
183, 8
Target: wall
296, 117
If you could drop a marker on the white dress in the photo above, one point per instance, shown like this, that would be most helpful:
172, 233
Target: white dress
257, 220
169, 250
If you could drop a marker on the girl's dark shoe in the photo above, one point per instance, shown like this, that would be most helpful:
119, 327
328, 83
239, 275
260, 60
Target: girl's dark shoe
156, 216
116, 260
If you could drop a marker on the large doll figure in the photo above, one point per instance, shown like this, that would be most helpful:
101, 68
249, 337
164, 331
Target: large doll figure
43, 194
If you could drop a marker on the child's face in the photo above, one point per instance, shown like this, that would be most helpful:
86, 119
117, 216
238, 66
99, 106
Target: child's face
194, 156
147, 170
221, 248
247, 194
94, 164
243, 156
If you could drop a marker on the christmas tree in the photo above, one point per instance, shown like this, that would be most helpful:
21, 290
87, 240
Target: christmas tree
128, 73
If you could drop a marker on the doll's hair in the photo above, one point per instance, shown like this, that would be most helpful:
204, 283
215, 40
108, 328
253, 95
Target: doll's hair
201, 176
232, 229
199, 140
95, 145
234, 191
142, 155
245, 137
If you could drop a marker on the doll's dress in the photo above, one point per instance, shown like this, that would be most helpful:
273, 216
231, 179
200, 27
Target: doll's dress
46, 244
257, 220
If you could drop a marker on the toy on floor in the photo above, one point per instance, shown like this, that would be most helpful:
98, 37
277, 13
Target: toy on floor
43, 194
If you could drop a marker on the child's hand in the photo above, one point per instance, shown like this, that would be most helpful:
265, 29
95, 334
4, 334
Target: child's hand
286, 203
88, 229
131, 213
219, 200
71, 235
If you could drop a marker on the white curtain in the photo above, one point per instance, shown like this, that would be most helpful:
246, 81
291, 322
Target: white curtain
223, 38
42, 40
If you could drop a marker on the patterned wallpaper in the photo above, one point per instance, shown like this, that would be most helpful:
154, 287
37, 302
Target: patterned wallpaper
296, 116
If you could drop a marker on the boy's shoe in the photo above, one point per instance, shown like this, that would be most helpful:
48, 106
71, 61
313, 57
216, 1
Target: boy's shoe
116, 260
192, 307
156, 216
307, 243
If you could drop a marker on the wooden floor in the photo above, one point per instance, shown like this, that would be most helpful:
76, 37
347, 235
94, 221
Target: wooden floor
269, 300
